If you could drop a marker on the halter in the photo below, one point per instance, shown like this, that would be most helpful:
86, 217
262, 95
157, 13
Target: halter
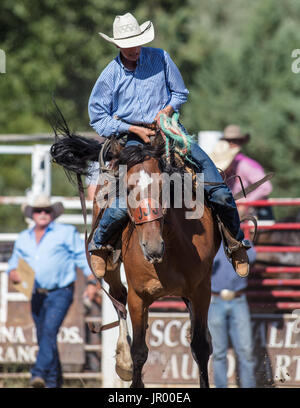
147, 211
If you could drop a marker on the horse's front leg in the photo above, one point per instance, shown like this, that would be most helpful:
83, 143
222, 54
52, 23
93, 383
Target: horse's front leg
139, 351
119, 292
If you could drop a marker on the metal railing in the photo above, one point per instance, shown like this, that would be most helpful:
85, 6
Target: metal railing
265, 291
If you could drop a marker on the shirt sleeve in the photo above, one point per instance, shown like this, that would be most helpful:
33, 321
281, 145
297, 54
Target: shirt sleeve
178, 90
16, 255
78, 250
100, 111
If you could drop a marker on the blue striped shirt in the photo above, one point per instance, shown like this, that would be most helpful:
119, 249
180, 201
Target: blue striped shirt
55, 258
135, 96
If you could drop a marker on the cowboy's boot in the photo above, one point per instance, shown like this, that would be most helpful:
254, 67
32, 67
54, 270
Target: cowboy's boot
235, 250
239, 259
98, 262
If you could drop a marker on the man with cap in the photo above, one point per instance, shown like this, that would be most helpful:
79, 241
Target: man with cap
134, 89
227, 156
53, 251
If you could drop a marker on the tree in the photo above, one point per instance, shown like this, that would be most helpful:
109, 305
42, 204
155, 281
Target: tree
235, 58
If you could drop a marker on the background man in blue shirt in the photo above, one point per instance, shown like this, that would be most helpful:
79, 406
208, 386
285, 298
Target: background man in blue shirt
229, 317
53, 251
135, 88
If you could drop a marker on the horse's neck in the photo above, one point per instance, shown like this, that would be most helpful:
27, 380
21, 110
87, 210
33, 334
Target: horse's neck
183, 221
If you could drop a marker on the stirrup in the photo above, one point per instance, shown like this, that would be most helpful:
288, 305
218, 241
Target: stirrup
246, 244
94, 248
230, 244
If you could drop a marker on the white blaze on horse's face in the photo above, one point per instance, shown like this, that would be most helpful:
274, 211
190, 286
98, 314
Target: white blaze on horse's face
144, 180
138, 183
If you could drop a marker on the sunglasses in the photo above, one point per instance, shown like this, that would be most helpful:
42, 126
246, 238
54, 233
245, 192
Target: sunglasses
40, 210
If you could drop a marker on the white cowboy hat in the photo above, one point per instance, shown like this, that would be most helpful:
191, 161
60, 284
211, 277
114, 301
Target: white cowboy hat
222, 154
43, 201
128, 33
233, 132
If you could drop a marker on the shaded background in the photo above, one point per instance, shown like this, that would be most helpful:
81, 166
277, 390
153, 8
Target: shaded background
235, 58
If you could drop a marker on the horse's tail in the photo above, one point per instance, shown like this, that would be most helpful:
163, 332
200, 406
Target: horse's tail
71, 151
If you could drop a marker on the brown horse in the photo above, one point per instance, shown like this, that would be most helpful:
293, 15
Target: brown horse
163, 254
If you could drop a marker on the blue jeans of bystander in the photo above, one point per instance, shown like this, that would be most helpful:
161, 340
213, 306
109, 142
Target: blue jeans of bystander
231, 318
48, 312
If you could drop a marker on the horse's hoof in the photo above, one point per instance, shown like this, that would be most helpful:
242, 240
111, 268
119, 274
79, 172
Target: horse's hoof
124, 373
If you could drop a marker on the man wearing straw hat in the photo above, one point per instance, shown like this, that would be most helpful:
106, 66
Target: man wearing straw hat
52, 251
228, 157
134, 89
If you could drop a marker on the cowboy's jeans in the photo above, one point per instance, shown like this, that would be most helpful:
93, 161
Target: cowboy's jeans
114, 218
219, 196
231, 318
48, 312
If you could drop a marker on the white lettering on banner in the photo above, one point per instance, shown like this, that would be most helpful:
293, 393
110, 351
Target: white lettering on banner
15, 334
18, 354
276, 351
184, 368
11, 334
34, 337
282, 362
168, 341
171, 370
289, 336
69, 335
161, 333
19, 345
180, 366
273, 334
157, 333
297, 373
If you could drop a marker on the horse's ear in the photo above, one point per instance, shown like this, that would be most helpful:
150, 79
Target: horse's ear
115, 148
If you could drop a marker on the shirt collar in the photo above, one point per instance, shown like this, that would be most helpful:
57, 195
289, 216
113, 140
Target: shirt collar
139, 62
50, 227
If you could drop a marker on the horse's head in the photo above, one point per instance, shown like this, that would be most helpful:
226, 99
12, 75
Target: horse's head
144, 205
145, 209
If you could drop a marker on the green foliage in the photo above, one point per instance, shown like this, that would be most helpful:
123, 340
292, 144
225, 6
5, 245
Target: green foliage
235, 58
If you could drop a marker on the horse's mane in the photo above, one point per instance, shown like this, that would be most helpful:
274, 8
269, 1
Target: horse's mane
133, 155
